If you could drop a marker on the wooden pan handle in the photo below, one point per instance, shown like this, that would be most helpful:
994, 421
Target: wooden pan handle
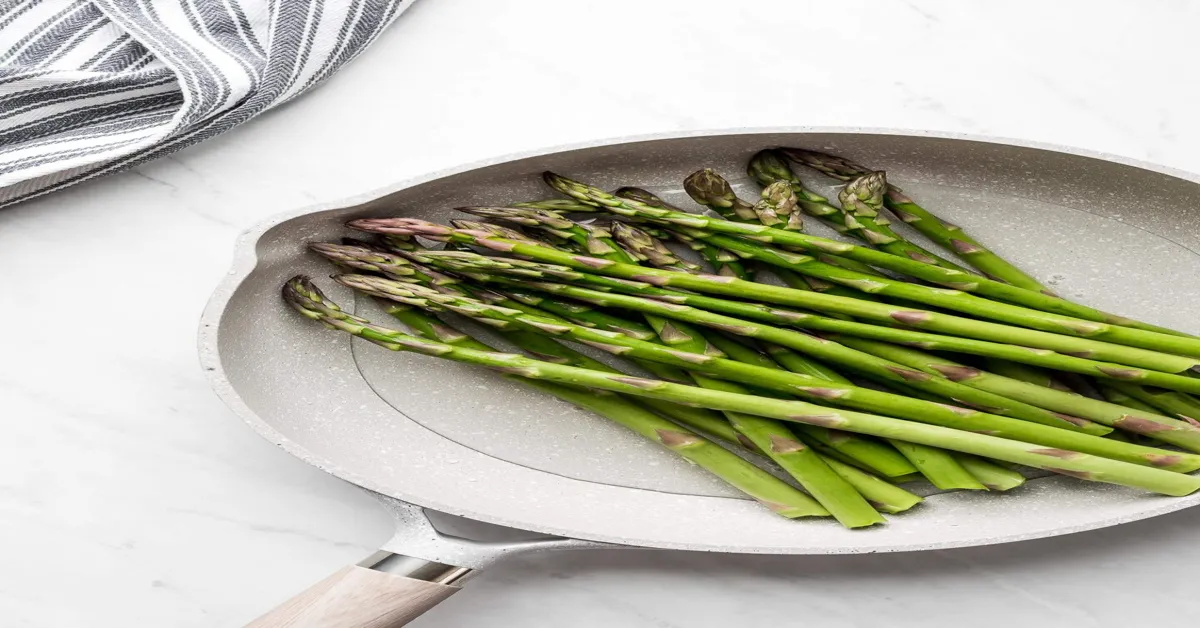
357, 597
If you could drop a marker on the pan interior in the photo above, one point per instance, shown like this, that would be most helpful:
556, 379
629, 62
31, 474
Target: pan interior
469, 442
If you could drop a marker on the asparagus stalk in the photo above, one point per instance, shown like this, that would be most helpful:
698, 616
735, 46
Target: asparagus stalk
1168, 401
939, 467
873, 454
777, 495
909, 292
808, 387
711, 190
934, 342
991, 475
722, 261
884, 496
772, 437
552, 261
1060, 316
313, 305
861, 201
950, 236
1025, 373
1166, 429
859, 361
1113, 395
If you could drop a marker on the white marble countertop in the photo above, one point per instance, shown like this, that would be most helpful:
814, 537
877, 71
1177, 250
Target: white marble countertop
129, 495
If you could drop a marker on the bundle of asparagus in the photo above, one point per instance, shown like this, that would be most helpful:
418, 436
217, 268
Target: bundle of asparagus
875, 365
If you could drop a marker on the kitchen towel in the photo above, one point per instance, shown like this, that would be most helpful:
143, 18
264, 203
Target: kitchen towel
89, 87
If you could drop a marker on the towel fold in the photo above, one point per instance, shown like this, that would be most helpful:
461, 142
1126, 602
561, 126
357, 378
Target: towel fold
89, 87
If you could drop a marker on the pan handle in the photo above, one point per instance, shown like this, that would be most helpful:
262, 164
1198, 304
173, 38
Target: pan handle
384, 591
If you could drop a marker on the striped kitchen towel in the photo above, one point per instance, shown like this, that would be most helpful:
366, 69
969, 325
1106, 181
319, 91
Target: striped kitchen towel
89, 87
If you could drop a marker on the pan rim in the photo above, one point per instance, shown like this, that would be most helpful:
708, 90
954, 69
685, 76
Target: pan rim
245, 261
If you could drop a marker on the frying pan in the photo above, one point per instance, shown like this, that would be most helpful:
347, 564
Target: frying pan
422, 433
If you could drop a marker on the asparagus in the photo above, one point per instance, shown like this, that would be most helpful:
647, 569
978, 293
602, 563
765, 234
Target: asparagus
909, 292
934, 342
313, 305
884, 496
1025, 373
861, 201
551, 261
1113, 395
650, 249
1168, 401
872, 453
938, 466
808, 387
1060, 316
991, 475
1169, 430
834, 352
722, 261
711, 190
950, 236
769, 436
777, 495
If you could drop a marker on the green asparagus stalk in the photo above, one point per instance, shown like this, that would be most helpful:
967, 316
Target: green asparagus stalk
1167, 401
649, 249
1010, 353
772, 437
711, 190
1166, 429
951, 237
1025, 373
1060, 316
938, 466
808, 387
1113, 395
884, 496
722, 261
833, 352
777, 495
550, 261
860, 215
873, 454
991, 475
306, 300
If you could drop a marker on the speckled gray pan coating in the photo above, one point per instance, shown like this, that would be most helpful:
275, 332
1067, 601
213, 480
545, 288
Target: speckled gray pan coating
1119, 236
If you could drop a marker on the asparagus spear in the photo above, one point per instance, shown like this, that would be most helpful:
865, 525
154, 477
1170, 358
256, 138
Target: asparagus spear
808, 387
1061, 316
884, 496
711, 190
834, 352
1168, 401
1025, 373
650, 249
939, 467
860, 215
1009, 353
950, 236
310, 303
1166, 429
993, 476
722, 261
551, 260
777, 495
